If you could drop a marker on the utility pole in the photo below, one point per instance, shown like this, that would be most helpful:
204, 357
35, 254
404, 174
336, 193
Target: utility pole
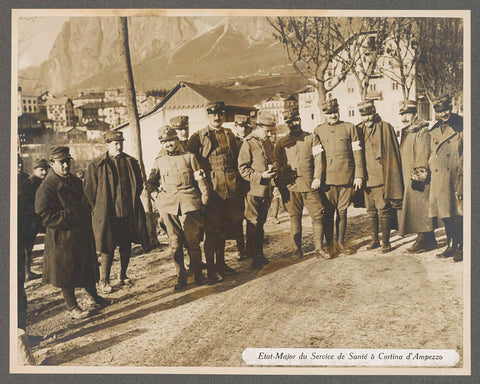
130, 99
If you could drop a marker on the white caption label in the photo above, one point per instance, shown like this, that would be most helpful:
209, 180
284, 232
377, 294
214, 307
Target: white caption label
351, 357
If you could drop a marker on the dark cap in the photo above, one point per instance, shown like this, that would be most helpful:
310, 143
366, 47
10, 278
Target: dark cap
290, 114
366, 108
242, 120
215, 107
179, 122
60, 153
113, 136
330, 106
266, 118
442, 103
408, 106
166, 132
40, 163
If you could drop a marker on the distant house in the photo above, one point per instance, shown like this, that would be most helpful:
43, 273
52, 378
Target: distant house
26, 103
95, 129
29, 128
72, 134
111, 112
61, 112
85, 98
185, 99
277, 104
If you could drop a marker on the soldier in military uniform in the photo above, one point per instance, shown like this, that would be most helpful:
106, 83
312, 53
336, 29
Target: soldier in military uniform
182, 127
217, 152
256, 165
180, 190
383, 173
446, 167
415, 151
241, 131
40, 169
338, 141
299, 181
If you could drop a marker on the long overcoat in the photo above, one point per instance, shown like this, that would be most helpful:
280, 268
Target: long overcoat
445, 167
69, 258
99, 178
415, 151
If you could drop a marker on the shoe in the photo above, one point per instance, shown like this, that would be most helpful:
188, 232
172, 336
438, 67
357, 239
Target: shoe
125, 281
263, 260
374, 244
32, 276
386, 247
447, 252
418, 248
213, 279
256, 264
298, 254
322, 253
105, 287
99, 302
226, 270
200, 279
343, 249
457, 255
181, 284
78, 313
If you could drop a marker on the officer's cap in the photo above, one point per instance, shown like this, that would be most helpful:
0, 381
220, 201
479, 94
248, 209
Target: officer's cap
290, 114
179, 122
266, 118
113, 135
215, 107
41, 163
366, 108
166, 132
442, 103
242, 120
408, 106
59, 153
330, 106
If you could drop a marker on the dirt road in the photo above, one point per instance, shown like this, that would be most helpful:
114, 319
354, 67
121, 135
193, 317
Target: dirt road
365, 300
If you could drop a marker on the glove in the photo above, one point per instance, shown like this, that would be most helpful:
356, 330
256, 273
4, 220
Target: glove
316, 184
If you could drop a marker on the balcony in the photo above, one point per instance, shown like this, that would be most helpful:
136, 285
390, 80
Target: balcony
374, 95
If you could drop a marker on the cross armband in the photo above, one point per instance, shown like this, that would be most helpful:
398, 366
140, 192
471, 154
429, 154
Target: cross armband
356, 145
317, 149
198, 175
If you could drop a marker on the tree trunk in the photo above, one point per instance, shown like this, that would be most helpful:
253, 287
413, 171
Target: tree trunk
133, 120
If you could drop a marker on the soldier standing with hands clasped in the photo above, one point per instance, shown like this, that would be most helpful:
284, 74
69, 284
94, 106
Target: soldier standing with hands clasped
181, 191
340, 144
256, 165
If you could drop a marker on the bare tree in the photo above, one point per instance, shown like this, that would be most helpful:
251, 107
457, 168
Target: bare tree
311, 46
363, 41
400, 54
133, 117
440, 63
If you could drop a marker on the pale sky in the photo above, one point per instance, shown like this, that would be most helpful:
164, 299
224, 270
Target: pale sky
36, 36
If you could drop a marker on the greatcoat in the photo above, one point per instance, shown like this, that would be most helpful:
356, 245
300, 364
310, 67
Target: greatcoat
99, 178
445, 167
415, 150
69, 257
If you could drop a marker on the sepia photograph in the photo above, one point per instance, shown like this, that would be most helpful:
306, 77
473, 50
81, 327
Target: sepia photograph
237, 191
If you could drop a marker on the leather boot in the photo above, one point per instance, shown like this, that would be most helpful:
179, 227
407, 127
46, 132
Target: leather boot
375, 243
251, 239
430, 241
318, 233
420, 244
296, 232
181, 282
447, 252
385, 224
458, 253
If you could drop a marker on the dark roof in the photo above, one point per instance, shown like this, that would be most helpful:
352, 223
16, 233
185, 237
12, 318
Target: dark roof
97, 125
93, 95
100, 104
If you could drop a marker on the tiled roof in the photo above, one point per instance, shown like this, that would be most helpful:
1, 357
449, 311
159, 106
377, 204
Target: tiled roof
60, 101
101, 104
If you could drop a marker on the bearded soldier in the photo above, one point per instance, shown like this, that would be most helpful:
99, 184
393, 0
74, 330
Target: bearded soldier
415, 150
182, 127
446, 167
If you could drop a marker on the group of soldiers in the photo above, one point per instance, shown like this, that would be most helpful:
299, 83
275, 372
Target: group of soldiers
205, 187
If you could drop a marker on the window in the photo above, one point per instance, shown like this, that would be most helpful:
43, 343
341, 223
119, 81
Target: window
313, 116
24, 101
372, 87
351, 112
394, 85
24, 108
29, 101
350, 86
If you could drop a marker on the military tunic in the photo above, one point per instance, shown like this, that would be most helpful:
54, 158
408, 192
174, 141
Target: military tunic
180, 183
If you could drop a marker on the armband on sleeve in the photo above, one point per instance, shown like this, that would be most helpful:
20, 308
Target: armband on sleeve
317, 149
356, 145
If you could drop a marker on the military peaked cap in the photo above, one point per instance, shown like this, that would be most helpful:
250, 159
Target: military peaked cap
41, 163
242, 120
60, 153
113, 136
442, 103
215, 107
330, 106
179, 122
166, 132
266, 118
366, 108
408, 106
290, 114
